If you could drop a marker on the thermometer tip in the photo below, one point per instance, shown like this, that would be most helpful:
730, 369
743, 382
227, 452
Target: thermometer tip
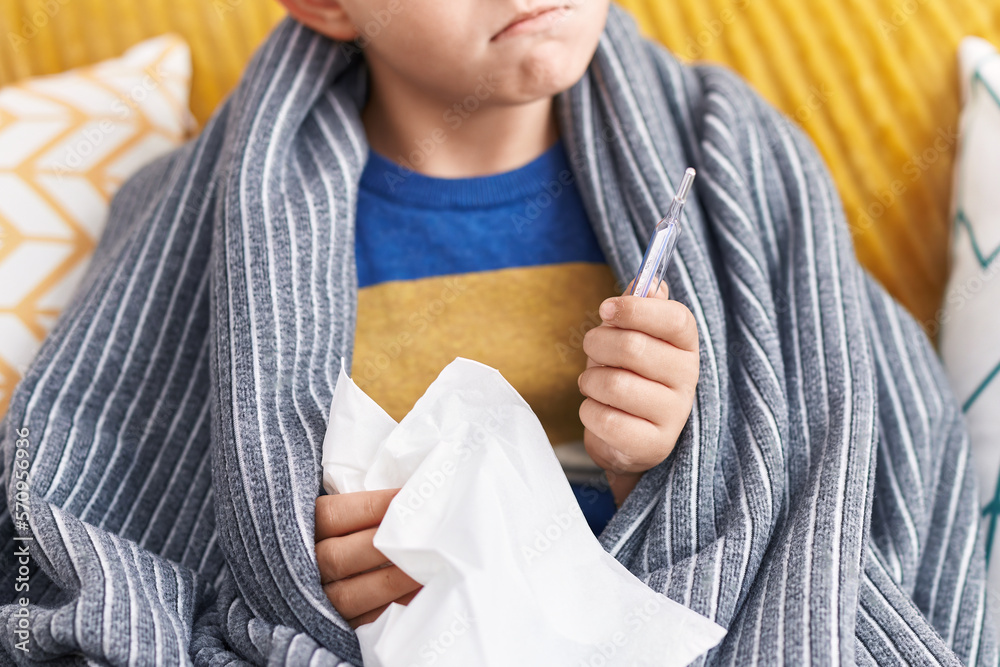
682, 191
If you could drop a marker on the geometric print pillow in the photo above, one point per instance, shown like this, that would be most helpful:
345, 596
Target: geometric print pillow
67, 143
970, 318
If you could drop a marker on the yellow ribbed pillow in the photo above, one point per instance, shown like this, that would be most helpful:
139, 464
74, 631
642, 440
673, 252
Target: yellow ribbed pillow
49, 36
873, 81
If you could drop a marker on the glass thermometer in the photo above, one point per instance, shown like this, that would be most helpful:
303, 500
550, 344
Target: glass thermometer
662, 242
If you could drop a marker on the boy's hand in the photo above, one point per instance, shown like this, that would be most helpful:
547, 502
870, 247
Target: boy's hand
642, 369
359, 581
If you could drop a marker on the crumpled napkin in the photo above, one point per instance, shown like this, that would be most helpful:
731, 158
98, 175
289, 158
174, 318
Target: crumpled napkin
487, 523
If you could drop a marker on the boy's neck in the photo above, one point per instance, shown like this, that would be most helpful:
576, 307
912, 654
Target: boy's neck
454, 138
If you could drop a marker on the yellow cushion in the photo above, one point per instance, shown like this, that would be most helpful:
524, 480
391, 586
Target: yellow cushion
49, 36
873, 81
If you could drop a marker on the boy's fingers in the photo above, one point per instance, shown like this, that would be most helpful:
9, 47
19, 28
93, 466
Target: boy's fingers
640, 353
608, 456
370, 616
667, 320
341, 557
367, 617
344, 513
662, 291
627, 391
598, 450
362, 593
605, 424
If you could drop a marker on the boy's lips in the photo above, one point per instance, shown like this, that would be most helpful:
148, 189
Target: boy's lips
534, 20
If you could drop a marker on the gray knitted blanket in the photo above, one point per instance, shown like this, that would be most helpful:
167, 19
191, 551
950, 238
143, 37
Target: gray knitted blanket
819, 503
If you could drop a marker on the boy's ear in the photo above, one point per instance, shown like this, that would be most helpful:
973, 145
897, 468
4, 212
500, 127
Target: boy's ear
326, 17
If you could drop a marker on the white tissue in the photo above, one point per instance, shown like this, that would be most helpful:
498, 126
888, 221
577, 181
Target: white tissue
487, 523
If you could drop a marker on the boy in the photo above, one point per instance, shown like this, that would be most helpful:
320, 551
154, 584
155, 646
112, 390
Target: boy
642, 367
817, 499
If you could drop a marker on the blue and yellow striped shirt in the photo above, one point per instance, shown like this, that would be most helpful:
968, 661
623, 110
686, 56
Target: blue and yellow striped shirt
504, 269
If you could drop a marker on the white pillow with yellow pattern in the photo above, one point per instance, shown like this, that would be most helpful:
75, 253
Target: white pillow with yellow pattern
67, 143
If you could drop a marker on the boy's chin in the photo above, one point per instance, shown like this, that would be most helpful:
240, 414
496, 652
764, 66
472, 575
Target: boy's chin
545, 73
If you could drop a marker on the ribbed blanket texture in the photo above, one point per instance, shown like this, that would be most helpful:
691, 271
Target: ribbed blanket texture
819, 503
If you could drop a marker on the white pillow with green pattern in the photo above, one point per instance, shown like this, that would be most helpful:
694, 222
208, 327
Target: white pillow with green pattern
970, 319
